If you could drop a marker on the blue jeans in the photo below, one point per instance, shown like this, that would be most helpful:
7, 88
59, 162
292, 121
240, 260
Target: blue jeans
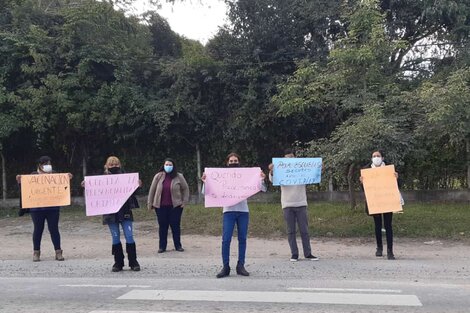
126, 228
241, 219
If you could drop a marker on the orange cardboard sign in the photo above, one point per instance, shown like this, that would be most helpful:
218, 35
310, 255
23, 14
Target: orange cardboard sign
45, 190
381, 189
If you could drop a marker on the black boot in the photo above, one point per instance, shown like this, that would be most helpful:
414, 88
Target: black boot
118, 258
224, 272
390, 255
379, 251
132, 257
241, 270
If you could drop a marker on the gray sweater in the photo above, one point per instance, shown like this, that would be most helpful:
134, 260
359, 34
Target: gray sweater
292, 196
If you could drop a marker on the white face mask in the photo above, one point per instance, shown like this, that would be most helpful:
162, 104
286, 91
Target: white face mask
377, 161
47, 168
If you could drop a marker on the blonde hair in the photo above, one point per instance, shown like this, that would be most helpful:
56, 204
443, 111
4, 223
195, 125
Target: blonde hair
112, 160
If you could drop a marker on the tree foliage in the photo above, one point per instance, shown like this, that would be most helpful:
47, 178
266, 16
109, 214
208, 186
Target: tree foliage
80, 80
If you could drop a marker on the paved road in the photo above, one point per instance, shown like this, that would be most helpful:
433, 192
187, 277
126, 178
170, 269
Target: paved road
184, 283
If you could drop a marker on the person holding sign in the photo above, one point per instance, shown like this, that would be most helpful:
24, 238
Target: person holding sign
377, 161
125, 218
168, 194
237, 214
294, 207
40, 215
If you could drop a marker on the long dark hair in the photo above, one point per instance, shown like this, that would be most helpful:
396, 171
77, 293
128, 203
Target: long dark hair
174, 172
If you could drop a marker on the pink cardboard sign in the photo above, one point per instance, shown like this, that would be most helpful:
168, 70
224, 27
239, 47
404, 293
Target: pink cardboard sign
229, 186
106, 194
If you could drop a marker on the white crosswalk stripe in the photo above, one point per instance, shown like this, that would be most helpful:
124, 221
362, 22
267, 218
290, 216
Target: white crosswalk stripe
136, 312
274, 297
345, 290
104, 286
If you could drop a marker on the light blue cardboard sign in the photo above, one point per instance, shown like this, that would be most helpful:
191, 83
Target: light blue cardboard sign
296, 171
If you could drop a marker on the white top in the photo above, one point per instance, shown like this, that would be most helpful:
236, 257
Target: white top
239, 207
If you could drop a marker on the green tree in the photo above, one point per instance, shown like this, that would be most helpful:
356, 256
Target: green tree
86, 77
357, 85
446, 106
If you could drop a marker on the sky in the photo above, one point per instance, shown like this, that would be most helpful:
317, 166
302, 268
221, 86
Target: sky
194, 19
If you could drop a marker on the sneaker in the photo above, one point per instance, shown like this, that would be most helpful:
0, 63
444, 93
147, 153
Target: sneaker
294, 258
311, 258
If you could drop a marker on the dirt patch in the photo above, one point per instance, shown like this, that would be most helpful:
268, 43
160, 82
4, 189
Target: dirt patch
89, 239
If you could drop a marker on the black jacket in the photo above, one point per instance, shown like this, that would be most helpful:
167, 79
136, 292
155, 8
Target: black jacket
124, 213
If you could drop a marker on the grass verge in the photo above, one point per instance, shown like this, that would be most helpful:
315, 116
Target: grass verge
326, 219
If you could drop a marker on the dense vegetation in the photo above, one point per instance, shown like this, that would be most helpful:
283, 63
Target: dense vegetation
81, 80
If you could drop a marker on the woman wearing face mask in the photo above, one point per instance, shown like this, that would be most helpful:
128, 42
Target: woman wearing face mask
237, 214
41, 215
124, 218
377, 161
168, 194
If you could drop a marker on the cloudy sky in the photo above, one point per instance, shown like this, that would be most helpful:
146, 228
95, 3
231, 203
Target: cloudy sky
194, 19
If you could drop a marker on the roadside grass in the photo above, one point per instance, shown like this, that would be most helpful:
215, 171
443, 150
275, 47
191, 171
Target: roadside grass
326, 219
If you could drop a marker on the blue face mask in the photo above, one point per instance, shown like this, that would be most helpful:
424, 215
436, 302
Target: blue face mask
168, 168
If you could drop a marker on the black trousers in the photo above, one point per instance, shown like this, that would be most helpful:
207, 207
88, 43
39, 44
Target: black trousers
39, 218
387, 220
169, 217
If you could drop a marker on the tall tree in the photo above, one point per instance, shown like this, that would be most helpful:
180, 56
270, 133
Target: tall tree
357, 85
446, 106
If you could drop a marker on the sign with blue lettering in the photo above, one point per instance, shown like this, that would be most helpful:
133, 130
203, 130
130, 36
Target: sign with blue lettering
296, 171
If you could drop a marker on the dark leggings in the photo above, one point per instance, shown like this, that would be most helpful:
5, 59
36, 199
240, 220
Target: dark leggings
387, 217
52, 217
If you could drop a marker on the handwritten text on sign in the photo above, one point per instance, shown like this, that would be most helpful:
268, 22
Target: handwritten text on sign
106, 194
229, 186
381, 189
296, 171
45, 190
